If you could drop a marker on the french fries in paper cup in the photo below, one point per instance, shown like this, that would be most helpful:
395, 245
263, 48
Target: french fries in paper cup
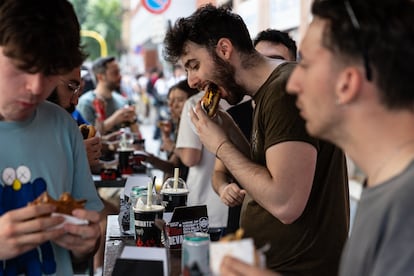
234, 245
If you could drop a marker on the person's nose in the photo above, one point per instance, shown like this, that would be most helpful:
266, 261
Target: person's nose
74, 100
293, 84
171, 104
193, 80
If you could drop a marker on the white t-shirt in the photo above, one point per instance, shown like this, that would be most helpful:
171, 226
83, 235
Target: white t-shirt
199, 176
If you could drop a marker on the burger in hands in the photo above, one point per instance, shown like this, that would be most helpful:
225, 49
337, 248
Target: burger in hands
93, 146
64, 205
210, 100
88, 131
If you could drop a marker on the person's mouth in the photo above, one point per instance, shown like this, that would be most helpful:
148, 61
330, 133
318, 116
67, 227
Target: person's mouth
27, 104
300, 108
203, 86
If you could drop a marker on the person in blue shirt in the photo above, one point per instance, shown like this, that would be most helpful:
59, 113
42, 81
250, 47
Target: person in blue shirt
66, 95
41, 146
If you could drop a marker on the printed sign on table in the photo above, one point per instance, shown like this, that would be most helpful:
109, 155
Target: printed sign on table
186, 219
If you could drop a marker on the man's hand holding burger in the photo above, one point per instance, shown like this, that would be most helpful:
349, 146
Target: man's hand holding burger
209, 132
92, 143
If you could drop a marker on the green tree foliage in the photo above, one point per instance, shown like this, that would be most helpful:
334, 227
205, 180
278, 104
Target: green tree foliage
104, 17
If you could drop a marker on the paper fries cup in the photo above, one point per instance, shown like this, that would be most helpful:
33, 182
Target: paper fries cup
241, 249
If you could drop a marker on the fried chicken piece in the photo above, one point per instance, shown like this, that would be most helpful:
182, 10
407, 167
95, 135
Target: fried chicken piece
64, 205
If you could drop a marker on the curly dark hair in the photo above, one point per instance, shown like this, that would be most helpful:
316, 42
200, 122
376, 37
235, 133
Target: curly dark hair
385, 36
279, 37
41, 36
205, 27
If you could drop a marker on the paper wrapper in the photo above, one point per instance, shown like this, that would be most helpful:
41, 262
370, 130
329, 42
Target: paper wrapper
69, 220
243, 250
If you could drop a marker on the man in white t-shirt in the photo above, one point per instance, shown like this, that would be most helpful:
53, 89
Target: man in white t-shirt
201, 163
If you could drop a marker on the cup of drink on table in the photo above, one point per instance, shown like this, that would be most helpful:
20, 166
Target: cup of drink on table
174, 192
147, 234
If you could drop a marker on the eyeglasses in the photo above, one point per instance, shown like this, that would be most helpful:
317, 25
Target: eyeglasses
73, 87
357, 29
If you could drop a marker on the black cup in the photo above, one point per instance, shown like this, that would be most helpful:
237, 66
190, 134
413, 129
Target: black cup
146, 233
107, 153
125, 159
170, 201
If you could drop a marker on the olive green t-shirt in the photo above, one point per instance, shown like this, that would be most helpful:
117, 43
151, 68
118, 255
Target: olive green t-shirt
312, 244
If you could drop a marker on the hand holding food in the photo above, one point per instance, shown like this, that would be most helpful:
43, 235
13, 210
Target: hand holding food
125, 116
210, 100
88, 131
34, 225
236, 246
234, 266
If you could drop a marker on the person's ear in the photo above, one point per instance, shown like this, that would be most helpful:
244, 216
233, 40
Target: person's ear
100, 77
348, 85
224, 48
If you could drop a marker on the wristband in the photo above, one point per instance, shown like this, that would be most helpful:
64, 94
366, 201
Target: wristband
219, 146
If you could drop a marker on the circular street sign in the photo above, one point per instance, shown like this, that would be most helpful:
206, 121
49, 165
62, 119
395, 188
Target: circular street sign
156, 6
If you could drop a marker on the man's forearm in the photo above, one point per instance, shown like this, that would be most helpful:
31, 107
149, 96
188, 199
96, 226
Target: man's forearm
219, 181
247, 173
189, 156
108, 124
284, 185
220, 177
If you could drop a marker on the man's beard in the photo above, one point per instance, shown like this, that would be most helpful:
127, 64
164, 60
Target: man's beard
114, 86
71, 108
225, 72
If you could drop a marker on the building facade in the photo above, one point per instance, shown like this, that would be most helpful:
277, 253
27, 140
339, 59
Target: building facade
143, 30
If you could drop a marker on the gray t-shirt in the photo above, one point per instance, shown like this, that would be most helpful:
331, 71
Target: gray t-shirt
382, 238
87, 110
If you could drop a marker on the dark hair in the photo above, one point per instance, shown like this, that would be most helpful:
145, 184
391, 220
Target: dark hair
277, 37
183, 85
42, 36
205, 27
384, 36
99, 65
